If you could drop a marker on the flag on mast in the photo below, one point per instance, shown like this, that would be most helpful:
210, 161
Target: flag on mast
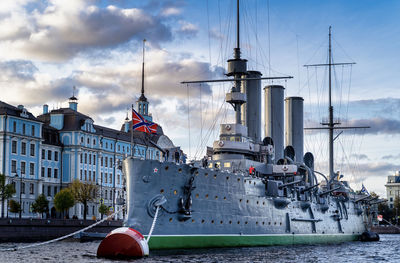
140, 124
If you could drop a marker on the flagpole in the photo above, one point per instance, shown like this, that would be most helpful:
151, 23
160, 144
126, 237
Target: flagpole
131, 128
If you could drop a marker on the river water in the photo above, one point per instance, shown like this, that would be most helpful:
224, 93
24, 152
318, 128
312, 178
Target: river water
386, 250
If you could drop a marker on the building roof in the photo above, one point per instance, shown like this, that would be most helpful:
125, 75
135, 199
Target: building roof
73, 120
8, 109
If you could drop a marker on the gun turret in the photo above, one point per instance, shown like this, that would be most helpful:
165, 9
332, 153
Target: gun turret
309, 188
362, 198
329, 191
289, 184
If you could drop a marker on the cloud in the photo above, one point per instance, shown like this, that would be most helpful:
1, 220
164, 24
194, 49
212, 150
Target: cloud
171, 11
390, 156
63, 29
187, 30
359, 156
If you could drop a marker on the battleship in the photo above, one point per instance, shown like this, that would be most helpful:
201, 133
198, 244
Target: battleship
251, 191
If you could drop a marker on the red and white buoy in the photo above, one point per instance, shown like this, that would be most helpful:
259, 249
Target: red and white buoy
123, 242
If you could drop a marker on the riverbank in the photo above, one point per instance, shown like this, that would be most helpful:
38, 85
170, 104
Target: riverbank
31, 230
386, 229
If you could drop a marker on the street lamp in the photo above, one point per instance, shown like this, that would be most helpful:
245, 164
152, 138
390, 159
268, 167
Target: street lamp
20, 192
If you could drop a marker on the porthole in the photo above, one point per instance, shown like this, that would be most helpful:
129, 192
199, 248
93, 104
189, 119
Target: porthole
216, 197
180, 170
244, 180
254, 183
269, 223
196, 173
197, 195
170, 219
212, 221
215, 176
240, 200
162, 191
192, 220
274, 223
224, 198
258, 202
238, 222
263, 223
230, 222
280, 223
227, 178
263, 203
257, 223
249, 182
206, 195
166, 167
222, 222
175, 192
202, 221
247, 201
245, 223
238, 179
206, 174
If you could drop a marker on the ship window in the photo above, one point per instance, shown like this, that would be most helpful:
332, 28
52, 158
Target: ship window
258, 202
263, 223
230, 222
274, 223
215, 176
206, 174
193, 220
269, 223
238, 222
222, 222
257, 223
247, 201
162, 191
238, 179
232, 139
237, 139
166, 167
224, 198
170, 219
206, 195
180, 170
196, 173
254, 183
212, 221
280, 223
202, 221
245, 223
249, 182
216, 197
227, 178
263, 203
227, 165
197, 195
240, 200
175, 192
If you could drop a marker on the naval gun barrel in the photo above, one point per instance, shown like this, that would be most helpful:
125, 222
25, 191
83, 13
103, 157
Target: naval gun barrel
289, 184
309, 188
378, 202
362, 198
329, 191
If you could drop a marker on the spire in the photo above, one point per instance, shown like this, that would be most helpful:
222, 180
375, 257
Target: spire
142, 97
73, 94
73, 101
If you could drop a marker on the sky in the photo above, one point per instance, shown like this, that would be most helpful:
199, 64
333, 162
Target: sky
47, 47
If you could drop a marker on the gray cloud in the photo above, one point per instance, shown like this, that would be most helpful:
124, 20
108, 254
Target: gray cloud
390, 156
63, 29
359, 156
187, 30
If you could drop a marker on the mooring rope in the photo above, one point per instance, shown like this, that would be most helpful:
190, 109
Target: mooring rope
66, 236
153, 224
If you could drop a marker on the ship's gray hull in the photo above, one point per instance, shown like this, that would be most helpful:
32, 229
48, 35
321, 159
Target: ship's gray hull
228, 209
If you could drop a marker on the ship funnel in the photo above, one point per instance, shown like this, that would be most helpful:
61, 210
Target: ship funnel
251, 111
294, 134
274, 124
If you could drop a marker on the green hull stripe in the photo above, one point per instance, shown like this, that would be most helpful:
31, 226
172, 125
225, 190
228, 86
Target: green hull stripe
205, 241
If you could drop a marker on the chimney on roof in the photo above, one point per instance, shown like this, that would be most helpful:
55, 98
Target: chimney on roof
45, 109
73, 101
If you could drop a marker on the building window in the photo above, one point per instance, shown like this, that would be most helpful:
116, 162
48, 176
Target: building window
43, 154
14, 146
94, 159
32, 169
31, 188
90, 175
94, 176
88, 141
32, 149
43, 171
55, 190
55, 156
101, 161
85, 175
81, 175
23, 167
106, 145
22, 188
111, 197
49, 172
391, 199
23, 128
23, 148
90, 159
94, 142
111, 162
48, 155
33, 130
49, 190
55, 173
119, 180
119, 147
106, 161
81, 156
14, 126
105, 195
111, 146
105, 178
85, 157
13, 166
110, 178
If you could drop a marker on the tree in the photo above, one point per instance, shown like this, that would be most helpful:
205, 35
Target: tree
64, 200
84, 193
385, 211
41, 205
396, 208
14, 206
6, 192
103, 209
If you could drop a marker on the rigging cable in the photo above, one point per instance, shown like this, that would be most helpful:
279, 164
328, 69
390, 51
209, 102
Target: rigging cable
188, 112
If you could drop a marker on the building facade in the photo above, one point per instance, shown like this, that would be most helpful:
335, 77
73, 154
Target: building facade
393, 188
44, 154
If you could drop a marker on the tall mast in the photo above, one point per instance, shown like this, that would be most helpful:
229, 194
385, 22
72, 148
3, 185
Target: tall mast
144, 41
237, 49
331, 125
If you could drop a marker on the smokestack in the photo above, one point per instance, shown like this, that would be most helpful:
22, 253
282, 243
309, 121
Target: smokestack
294, 133
274, 125
251, 110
